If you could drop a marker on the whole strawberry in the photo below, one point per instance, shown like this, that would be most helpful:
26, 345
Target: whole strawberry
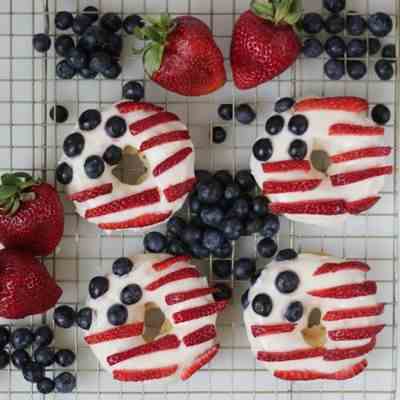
26, 288
31, 214
182, 56
264, 42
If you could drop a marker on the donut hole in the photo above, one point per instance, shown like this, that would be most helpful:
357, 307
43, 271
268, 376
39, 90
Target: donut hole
155, 322
315, 333
320, 160
133, 167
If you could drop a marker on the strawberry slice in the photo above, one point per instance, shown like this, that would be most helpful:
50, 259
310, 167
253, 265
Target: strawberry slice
120, 332
175, 192
355, 130
262, 330
350, 313
305, 185
347, 178
277, 356
126, 107
139, 375
138, 222
368, 152
162, 138
311, 207
171, 161
201, 335
346, 291
167, 342
350, 372
190, 314
141, 199
363, 332
286, 166
169, 262
91, 193
183, 273
340, 103
200, 361
349, 352
179, 297
343, 266
152, 121
359, 206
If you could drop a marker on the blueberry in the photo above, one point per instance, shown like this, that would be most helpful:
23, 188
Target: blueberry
194, 204
260, 206
298, 149
380, 24
100, 62
253, 225
4, 336
122, 266
218, 134
192, 233
89, 119
212, 216
210, 192
73, 144
64, 70
286, 254
240, 208
223, 251
65, 382
313, 23
284, 104
176, 225
45, 386
33, 372
131, 22
115, 127
335, 47
224, 176
177, 248
113, 46
63, 44
98, 286
262, 304
381, 114
312, 48
112, 71
21, 338
334, 69
224, 292
245, 180
155, 242
374, 45
117, 314
356, 48
113, 155
244, 299
232, 228
287, 282
266, 248
77, 58
298, 124
63, 20
4, 359
84, 318
245, 114
133, 90
44, 356
384, 70
334, 24
64, 316
274, 124
271, 226
334, 6
111, 21
43, 336
225, 112
222, 269
94, 167
58, 113
294, 311
355, 24
356, 69
212, 239
389, 51
92, 12
198, 250
41, 42
232, 192
65, 357
64, 173
244, 268
81, 23
19, 358
94, 39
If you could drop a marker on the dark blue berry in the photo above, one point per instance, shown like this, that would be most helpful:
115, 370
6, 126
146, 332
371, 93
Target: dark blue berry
245, 180
312, 48
192, 233
212, 216
98, 286
122, 266
176, 225
286, 254
384, 70
65, 382
232, 228
117, 314
224, 292
335, 6
133, 90
44, 356
334, 69
356, 48
111, 21
294, 311
271, 226
380, 24
63, 44
63, 20
381, 114
45, 386
94, 167
210, 192
222, 269
223, 251
100, 62
266, 248
84, 318
244, 268
21, 338
374, 45
65, 357
313, 23
113, 155
64, 173
240, 208
232, 192
58, 113
92, 12
298, 124
131, 22
356, 69
4, 359
177, 248
64, 70
262, 304
89, 120
260, 206
19, 358
244, 299
155, 242
33, 372
218, 134
115, 127
389, 51
41, 42
212, 239
274, 124
77, 58
224, 176
64, 316
4, 336
198, 250
94, 39
335, 47
225, 112
194, 204
355, 24
284, 104
287, 282
74, 144
298, 149
245, 114
112, 71
253, 225
81, 23
334, 24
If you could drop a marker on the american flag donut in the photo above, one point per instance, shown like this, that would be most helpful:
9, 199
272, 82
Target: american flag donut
117, 304
96, 147
286, 297
357, 157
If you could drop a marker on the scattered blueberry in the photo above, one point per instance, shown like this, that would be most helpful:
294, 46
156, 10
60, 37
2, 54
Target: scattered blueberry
98, 286
77, 58
20, 358
210, 192
21, 338
232, 228
356, 48
312, 48
111, 21
44, 356
92, 12
312, 23
245, 114
45, 386
284, 104
381, 114
262, 149
274, 124
43, 336
223, 251
225, 112
287, 282
245, 180
232, 191
298, 124
271, 226
355, 24
133, 90
374, 45
294, 311
244, 299
286, 254
112, 71
222, 269
131, 22
384, 70
4, 336
224, 292
4, 359
389, 51
131, 294
94, 167
334, 24
262, 304
65, 382
117, 314
73, 144
89, 119
335, 47
84, 318
253, 225
334, 69
260, 206
122, 266
176, 225
212, 239
81, 23
266, 248
335, 6
65, 357
60, 115
113, 155
177, 248
33, 372
64, 316
41, 42
198, 250
298, 149
194, 204
218, 134
212, 216
244, 268
115, 127
380, 24
100, 62
356, 69
192, 233
63, 44
64, 70
240, 208
64, 173
63, 20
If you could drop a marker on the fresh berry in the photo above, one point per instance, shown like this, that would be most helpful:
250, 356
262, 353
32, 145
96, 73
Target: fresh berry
198, 250
65, 357
260, 206
131, 294
270, 226
245, 114
266, 247
41, 42
223, 292
334, 6
334, 24
218, 134
298, 124
63, 20
384, 70
253, 225
224, 176
92, 12
113, 155
192, 233
355, 24
312, 48
294, 311
356, 69
240, 208
286, 254
298, 149
33, 372
131, 22
45, 386
284, 104
81, 23
117, 314
313, 23
4, 336
112, 71
64, 316
100, 62
210, 192
43, 336
334, 69
133, 90
4, 359
212, 239
389, 51
356, 48
380, 24
155, 242
94, 167
212, 216
225, 112
287, 282
84, 318
89, 120
122, 266
374, 45
111, 22
20, 358
262, 305
381, 114
60, 115
98, 286
274, 124
77, 58
222, 268
244, 268
44, 356
245, 180
223, 251
232, 192
177, 247
63, 44
232, 228
65, 382
335, 47
64, 70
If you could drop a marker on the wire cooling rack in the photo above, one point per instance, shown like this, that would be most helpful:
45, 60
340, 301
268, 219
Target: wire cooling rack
30, 141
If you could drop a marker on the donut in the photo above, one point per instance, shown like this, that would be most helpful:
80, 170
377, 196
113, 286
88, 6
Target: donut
118, 303
348, 143
97, 146
311, 316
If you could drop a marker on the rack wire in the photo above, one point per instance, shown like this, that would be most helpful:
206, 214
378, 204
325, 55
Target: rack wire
31, 141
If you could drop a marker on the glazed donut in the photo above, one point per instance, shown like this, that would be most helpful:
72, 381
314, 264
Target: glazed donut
96, 147
118, 302
357, 159
311, 317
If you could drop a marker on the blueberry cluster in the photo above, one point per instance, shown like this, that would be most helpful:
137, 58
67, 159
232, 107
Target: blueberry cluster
14, 346
65, 317
349, 56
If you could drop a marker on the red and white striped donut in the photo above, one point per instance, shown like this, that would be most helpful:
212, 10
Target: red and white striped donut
162, 142
278, 309
358, 160
188, 338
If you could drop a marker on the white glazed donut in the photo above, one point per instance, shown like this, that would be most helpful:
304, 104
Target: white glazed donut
358, 160
118, 302
278, 308
159, 138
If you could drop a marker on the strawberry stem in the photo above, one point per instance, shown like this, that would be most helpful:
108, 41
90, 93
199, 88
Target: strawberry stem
278, 11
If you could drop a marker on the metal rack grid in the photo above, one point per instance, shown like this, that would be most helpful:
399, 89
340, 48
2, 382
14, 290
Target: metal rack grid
31, 141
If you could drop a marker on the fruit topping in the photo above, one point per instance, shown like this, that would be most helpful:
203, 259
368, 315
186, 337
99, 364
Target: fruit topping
294, 311
274, 125
131, 294
262, 304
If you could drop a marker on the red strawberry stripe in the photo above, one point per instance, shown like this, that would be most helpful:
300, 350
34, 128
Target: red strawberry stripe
126, 107
198, 312
346, 291
138, 375
138, 222
311, 207
363, 332
160, 266
175, 192
121, 332
349, 313
287, 165
341, 103
352, 352
171, 161
305, 185
200, 361
358, 206
201, 335
351, 371
145, 198
276, 356
152, 121
167, 342
183, 273
162, 138
179, 297
347, 178
344, 266
361, 153
355, 130
262, 330
91, 193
